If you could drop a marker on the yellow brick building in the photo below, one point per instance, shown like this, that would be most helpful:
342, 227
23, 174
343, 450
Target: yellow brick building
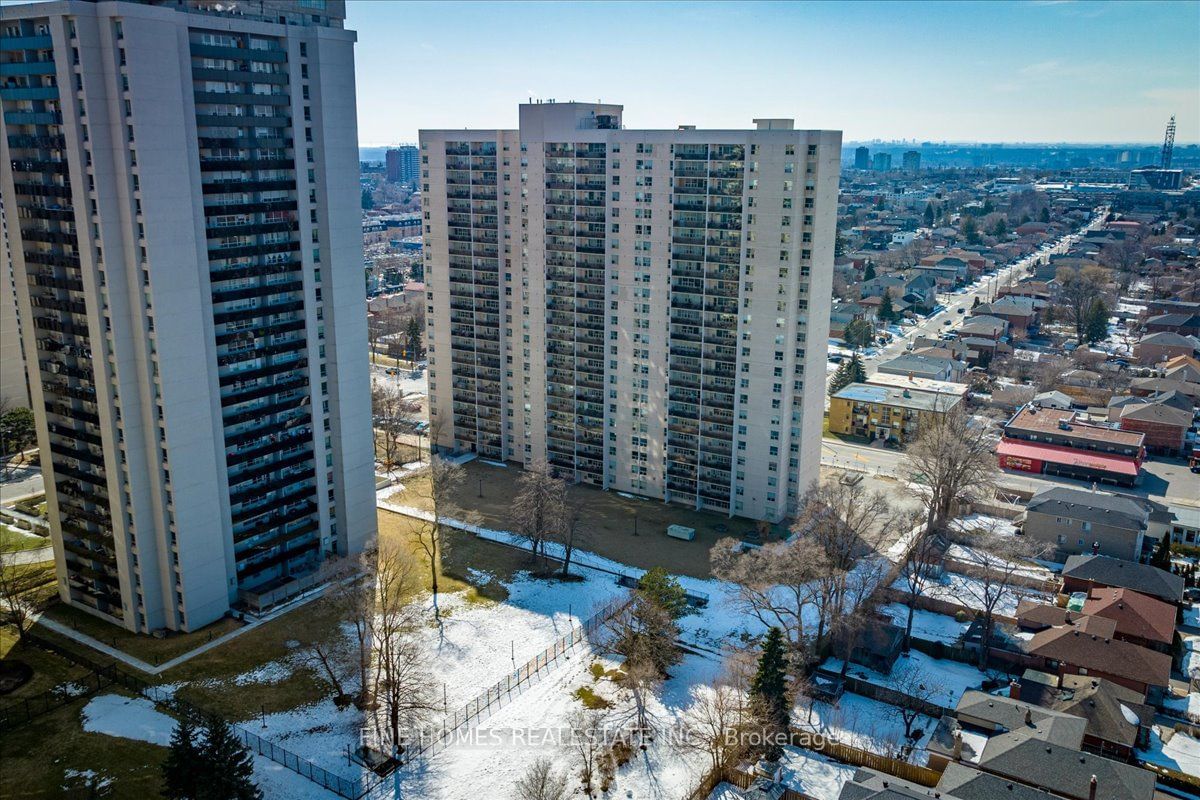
886, 412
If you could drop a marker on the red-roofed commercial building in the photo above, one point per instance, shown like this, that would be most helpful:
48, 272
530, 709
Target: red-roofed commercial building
1054, 442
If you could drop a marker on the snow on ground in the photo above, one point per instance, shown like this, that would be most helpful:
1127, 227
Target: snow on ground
137, 718
864, 723
968, 591
478, 644
927, 624
1187, 706
813, 774
1180, 753
1191, 656
127, 717
536, 724
949, 678
1191, 615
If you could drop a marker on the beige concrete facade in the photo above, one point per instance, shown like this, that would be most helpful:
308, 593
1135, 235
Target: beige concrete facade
645, 310
181, 197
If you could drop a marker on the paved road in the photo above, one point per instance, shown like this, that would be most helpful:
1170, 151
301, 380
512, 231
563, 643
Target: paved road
984, 289
1163, 481
24, 482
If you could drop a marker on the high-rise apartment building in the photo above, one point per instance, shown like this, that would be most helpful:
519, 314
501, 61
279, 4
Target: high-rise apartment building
402, 164
882, 162
180, 184
862, 158
912, 161
14, 391
643, 310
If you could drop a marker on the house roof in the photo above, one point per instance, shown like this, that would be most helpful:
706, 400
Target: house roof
967, 783
919, 365
867, 784
1175, 319
1108, 571
1135, 613
1099, 654
1100, 702
1021, 717
1011, 305
1168, 339
900, 398
1157, 413
984, 322
1188, 388
1040, 616
1101, 508
1057, 454
1064, 770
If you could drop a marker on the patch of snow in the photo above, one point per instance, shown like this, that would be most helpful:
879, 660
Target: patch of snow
949, 678
1173, 749
814, 775
136, 718
1191, 615
493, 463
272, 672
128, 718
927, 625
864, 723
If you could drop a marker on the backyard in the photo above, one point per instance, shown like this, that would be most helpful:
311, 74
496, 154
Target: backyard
610, 519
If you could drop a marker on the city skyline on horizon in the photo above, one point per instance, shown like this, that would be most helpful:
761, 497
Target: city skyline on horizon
1039, 73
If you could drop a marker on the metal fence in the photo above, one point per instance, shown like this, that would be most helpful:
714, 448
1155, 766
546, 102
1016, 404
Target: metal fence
435, 738
103, 675
346, 787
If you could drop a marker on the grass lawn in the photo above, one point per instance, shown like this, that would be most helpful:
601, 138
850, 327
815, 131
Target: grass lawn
36, 758
608, 519
13, 539
49, 670
139, 645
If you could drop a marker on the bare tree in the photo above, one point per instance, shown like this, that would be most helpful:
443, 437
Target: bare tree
1077, 289
443, 479
774, 582
921, 563
951, 461
570, 533
917, 690
541, 781
713, 721
19, 598
642, 678
393, 414
588, 727
846, 523
539, 509
402, 678
352, 593
993, 565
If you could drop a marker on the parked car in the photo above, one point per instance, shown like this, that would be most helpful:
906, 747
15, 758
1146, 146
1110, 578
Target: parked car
962, 311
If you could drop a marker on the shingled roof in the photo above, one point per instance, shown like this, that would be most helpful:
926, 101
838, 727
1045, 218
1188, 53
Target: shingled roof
1109, 571
1099, 654
1064, 770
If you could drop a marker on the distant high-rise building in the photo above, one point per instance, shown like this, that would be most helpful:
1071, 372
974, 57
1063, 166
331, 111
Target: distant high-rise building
403, 164
862, 158
181, 190
882, 162
912, 161
643, 310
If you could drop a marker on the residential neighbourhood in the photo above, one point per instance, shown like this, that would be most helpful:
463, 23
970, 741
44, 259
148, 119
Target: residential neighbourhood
545, 449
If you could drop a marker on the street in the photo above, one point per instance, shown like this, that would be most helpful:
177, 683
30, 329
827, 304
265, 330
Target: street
1162, 481
985, 289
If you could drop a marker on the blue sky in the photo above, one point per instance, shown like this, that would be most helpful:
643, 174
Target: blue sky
978, 71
